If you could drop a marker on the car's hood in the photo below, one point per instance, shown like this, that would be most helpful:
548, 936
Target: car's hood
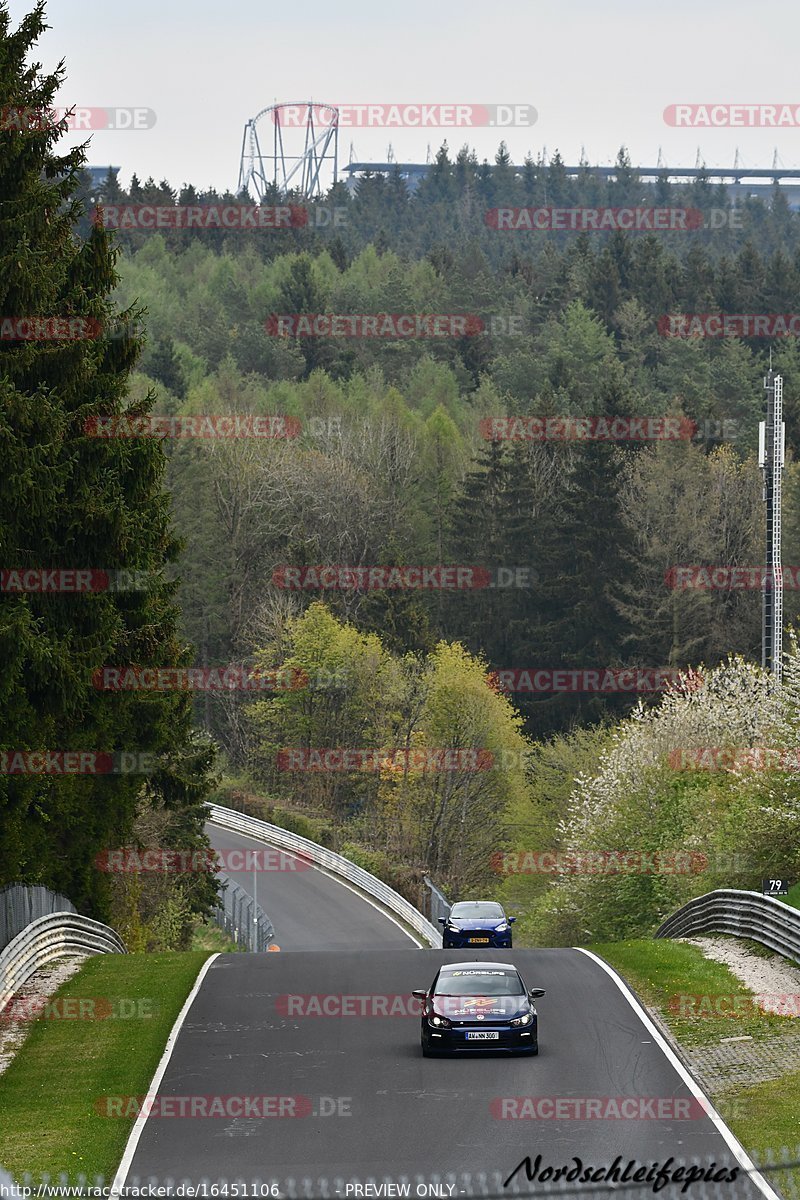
472, 1008
476, 922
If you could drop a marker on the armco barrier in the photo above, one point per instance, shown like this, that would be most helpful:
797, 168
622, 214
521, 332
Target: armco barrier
47, 939
741, 914
273, 835
436, 902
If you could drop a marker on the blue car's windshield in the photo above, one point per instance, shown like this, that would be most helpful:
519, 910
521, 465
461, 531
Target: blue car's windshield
478, 982
477, 908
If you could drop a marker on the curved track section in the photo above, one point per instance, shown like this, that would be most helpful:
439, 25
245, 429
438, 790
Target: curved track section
311, 910
359, 1101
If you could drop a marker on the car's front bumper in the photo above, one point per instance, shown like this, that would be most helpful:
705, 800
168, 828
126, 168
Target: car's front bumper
454, 1040
476, 939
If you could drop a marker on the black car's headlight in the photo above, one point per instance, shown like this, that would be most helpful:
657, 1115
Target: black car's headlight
524, 1020
439, 1022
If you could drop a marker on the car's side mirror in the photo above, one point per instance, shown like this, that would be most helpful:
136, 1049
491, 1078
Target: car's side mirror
511, 920
535, 993
442, 920
419, 994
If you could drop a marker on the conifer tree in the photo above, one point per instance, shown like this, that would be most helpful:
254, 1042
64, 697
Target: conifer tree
72, 500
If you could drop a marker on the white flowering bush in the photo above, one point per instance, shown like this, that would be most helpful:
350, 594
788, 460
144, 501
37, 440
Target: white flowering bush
683, 829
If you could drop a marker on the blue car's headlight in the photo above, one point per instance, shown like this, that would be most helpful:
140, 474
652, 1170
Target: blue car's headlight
439, 1022
524, 1020
502, 927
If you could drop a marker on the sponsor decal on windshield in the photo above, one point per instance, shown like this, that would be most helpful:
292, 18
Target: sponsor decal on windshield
454, 973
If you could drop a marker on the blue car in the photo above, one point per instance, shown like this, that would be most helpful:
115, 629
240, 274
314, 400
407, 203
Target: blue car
476, 923
479, 1006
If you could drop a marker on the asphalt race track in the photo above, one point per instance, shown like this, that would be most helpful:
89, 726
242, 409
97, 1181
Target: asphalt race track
362, 1103
308, 909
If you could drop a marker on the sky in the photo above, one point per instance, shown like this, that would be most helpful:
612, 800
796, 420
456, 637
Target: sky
598, 75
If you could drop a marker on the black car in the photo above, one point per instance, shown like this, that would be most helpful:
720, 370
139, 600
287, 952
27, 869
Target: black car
477, 923
479, 1006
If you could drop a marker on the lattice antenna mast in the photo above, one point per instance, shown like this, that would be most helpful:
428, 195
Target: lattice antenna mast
771, 452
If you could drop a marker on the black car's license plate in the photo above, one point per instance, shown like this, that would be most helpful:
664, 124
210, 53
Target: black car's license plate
485, 1035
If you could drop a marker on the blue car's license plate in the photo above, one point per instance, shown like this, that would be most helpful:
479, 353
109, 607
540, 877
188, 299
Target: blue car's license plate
478, 941
484, 1036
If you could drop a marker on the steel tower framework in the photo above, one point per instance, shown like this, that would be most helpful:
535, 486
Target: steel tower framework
288, 168
771, 459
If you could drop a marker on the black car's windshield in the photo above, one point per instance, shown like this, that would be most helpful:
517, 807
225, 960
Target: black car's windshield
480, 983
477, 908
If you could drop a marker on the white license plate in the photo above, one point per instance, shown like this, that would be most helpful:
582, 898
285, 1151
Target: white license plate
478, 941
483, 1036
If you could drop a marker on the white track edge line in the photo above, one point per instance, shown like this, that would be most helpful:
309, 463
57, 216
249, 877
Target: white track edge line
139, 1124
727, 1134
331, 875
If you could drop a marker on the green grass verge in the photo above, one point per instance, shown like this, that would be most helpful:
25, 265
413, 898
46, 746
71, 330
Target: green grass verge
765, 1117
664, 973
48, 1119
208, 936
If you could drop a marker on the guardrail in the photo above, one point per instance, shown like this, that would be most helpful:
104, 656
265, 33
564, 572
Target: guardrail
742, 914
49, 938
273, 835
242, 918
436, 903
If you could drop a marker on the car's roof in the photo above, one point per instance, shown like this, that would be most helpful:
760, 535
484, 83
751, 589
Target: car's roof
496, 903
471, 965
